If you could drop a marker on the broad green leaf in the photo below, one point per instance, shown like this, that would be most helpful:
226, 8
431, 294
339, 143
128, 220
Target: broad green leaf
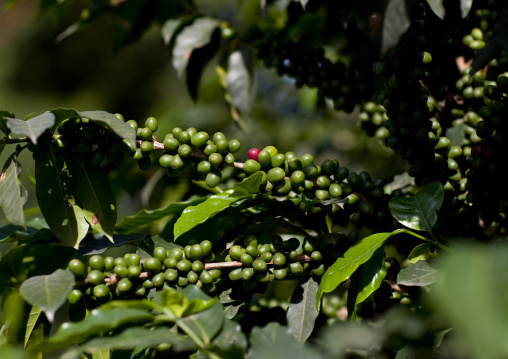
11, 351
56, 200
395, 23
355, 256
63, 114
94, 193
12, 193
4, 115
407, 352
276, 342
145, 217
419, 274
366, 280
456, 135
437, 8
99, 321
231, 342
249, 186
48, 292
302, 312
194, 215
31, 211
491, 51
235, 115
422, 252
32, 128
35, 312
193, 36
419, 212
101, 354
471, 296
240, 79
132, 338
113, 123
202, 184
465, 6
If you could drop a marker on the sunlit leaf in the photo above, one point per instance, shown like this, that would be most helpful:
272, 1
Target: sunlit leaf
422, 252
34, 315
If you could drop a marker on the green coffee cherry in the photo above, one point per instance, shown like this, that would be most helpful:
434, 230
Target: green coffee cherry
165, 161
275, 175
264, 158
213, 179
278, 160
144, 133
74, 297
152, 124
184, 151
251, 166
101, 291
171, 144
210, 149
200, 139
77, 267
236, 274
95, 277
215, 159
96, 262
234, 146
152, 265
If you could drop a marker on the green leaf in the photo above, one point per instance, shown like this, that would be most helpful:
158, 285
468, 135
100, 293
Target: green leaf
420, 212
231, 342
132, 338
491, 51
366, 280
113, 123
407, 352
32, 128
249, 186
4, 115
12, 193
101, 354
422, 252
94, 193
169, 29
202, 184
471, 297
341, 339
194, 215
437, 8
145, 217
355, 256
456, 135
192, 37
465, 6
10, 351
240, 80
53, 190
418, 274
99, 321
48, 292
35, 312
302, 312
62, 114
276, 342
395, 23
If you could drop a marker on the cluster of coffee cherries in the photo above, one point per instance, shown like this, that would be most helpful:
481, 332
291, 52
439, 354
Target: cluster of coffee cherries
104, 278
262, 263
485, 20
83, 138
307, 65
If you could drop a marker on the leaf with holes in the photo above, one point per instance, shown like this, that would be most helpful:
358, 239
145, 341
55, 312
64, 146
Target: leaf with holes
48, 292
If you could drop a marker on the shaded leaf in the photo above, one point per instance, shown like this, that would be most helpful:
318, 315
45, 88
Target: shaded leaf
32, 128
194, 215
145, 217
249, 186
422, 252
48, 292
99, 321
419, 212
302, 312
12, 193
4, 115
233, 111
355, 256
240, 80
491, 51
471, 296
231, 342
407, 352
113, 123
101, 354
63, 114
132, 338
56, 200
395, 23
437, 8
366, 280
169, 29
503, 29
456, 135
419, 274
35, 312
94, 193
193, 36
465, 6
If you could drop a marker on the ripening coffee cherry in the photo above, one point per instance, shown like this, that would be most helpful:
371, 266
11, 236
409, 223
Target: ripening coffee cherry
171, 144
146, 147
230, 158
200, 139
124, 285
121, 270
101, 291
279, 260
205, 277
213, 179
177, 162
171, 275
152, 265
234, 146
236, 274
196, 252
310, 171
253, 153
95, 277
307, 160
152, 124
246, 260
278, 160
264, 158
215, 159
251, 166
184, 137
176, 253
133, 124
184, 265
259, 265
109, 263
170, 262
247, 273
77, 267
133, 271
323, 182
280, 273
144, 133
275, 175
184, 151
295, 268
222, 146
297, 178
74, 297
236, 252
96, 262
335, 190
165, 161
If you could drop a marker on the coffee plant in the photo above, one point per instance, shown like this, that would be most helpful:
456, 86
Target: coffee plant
272, 253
